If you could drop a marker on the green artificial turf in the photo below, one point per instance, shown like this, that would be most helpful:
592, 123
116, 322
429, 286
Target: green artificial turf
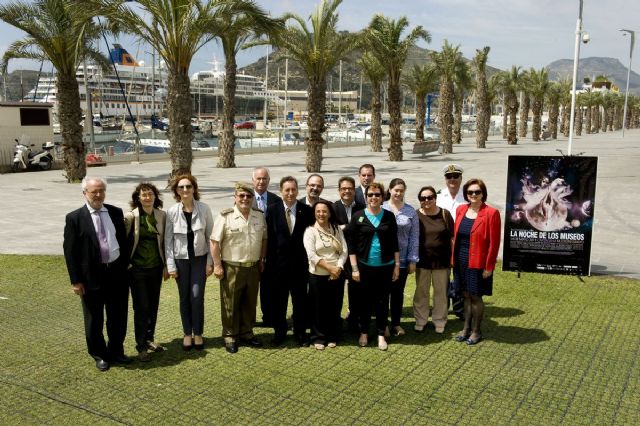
556, 350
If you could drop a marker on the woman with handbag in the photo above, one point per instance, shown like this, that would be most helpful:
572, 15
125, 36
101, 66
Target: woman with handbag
436, 230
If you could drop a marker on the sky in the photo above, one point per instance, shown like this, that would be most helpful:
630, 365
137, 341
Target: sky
528, 33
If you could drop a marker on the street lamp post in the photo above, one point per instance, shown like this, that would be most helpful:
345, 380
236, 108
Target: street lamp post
576, 58
626, 92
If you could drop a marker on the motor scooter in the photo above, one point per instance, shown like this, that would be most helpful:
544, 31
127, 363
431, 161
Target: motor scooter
24, 158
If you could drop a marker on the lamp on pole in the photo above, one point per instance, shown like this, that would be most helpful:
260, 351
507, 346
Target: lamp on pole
626, 92
576, 58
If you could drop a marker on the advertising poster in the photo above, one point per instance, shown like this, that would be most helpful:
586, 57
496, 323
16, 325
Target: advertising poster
549, 214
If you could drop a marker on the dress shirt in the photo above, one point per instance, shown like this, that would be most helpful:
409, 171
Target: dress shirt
408, 233
446, 201
291, 213
110, 229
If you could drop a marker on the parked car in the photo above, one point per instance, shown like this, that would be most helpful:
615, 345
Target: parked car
245, 125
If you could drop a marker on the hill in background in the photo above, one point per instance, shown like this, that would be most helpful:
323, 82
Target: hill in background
592, 67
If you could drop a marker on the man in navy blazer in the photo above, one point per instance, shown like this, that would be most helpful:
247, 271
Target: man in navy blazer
262, 199
366, 174
344, 208
287, 265
96, 253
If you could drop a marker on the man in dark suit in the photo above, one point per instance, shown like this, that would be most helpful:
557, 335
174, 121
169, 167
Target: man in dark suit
344, 208
366, 174
287, 265
262, 199
314, 187
95, 250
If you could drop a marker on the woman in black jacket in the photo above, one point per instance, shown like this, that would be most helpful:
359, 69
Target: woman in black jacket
375, 260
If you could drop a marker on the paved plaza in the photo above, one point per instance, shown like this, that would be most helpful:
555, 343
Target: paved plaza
35, 203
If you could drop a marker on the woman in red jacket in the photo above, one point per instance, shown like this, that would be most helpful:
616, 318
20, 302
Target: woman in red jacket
476, 242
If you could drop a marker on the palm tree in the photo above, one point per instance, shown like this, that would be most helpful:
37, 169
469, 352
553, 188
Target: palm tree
383, 38
235, 30
420, 80
58, 31
510, 82
375, 73
565, 85
176, 29
483, 105
317, 50
447, 63
553, 100
587, 101
579, 115
538, 86
525, 105
462, 84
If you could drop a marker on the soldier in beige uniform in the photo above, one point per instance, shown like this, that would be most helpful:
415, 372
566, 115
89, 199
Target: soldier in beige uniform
239, 245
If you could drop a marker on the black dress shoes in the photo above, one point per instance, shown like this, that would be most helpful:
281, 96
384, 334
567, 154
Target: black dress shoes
231, 347
121, 359
101, 364
303, 341
254, 341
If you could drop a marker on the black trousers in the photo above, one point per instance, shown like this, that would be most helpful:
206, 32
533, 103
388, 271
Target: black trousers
397, 296
265, 299
112, 298
296, 286
373, 294
325, 304
145, 297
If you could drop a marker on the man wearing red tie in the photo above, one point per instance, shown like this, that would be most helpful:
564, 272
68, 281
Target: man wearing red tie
95, 250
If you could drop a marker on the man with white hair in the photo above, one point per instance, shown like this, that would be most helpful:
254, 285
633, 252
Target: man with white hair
95, 250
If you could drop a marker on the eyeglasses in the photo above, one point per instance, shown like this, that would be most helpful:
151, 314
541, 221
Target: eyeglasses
452, 175
426, 197
244, 195
374, 194
476, 193
185, 187
346, 188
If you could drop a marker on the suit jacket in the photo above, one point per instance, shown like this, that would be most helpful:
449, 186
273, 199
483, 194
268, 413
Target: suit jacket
82, 249
132, 219
303, 200
341, 212
484, 241
272, 198
286, 254
359, 197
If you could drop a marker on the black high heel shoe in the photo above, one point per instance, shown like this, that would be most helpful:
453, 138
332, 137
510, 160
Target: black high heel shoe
463, 336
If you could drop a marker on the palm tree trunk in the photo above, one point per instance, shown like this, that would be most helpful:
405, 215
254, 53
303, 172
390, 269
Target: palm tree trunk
524, 116
421, 112
180, 109
554, 112
536, 127
482, 124
314, 144
587, 123
512, 137
505, 117
578, 120
395, 118
445, 117
376, 118
456, 136
566, 114
69, 116
226, 147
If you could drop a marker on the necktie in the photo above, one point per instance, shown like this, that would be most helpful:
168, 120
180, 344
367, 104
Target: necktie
102, 239
261, 202
289, 223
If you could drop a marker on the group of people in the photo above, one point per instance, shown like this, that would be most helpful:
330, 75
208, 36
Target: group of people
280, 246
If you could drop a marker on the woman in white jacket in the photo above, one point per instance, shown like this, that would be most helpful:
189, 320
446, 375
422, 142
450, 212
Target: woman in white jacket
189, 261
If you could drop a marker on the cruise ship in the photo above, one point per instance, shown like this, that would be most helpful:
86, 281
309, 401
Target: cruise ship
145, 88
